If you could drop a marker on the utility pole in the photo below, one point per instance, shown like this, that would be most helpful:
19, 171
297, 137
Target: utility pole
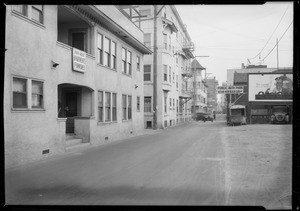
155, 69
277, 53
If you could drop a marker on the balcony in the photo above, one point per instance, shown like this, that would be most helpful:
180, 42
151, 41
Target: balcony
166, 86
186, 73
188, 49
186, 94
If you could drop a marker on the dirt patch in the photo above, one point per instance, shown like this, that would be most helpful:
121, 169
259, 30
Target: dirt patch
258, 165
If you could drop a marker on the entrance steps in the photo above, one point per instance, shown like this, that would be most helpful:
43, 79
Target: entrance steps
74, 143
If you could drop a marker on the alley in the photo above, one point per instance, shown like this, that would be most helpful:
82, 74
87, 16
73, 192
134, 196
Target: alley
180, 165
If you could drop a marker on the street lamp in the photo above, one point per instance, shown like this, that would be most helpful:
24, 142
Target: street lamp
194, 97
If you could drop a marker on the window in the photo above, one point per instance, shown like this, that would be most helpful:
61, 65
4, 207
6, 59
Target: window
129, 107
126, 61
22, 9
37, 94
176, 81
100, 106
165, 42
147, 104
113, 55
147, 72
114, 107
165, 104
165, 73
107, 107
173, 104
170, 72
19, 93
37, 13
100, 49
170, 103
138, 103
147, 39
170, 43
129, 62
107, 52
22, 98
124, 107
177, 105
138, 63
173, 77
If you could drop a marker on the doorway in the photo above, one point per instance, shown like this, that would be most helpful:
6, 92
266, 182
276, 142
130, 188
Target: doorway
71, 110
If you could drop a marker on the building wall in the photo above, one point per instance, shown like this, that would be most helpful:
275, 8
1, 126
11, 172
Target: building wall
164, 57
29, 132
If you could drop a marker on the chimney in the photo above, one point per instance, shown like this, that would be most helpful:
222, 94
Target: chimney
243, 66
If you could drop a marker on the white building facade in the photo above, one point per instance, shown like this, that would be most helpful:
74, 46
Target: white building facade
77, 76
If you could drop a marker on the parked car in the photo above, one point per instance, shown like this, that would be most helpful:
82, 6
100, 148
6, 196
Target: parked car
279, 115
204, 117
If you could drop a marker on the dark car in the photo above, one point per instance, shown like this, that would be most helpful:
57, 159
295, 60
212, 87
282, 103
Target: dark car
204, 117
279, 115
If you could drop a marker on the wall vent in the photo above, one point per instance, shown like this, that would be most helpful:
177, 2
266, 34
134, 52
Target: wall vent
46, 151
106, 138
131, 132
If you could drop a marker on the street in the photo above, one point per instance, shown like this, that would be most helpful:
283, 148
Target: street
189, 164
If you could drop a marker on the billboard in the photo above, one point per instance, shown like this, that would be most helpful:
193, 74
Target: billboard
270, 87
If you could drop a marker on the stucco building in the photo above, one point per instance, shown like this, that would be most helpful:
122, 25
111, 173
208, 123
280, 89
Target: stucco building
73, 77
174, 52
199, 88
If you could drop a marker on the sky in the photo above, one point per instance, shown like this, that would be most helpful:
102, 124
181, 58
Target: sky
231, 34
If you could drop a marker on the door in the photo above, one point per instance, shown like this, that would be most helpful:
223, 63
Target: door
71, 110
78, 40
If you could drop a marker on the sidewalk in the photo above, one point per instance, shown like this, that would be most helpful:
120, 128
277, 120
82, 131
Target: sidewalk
259, 165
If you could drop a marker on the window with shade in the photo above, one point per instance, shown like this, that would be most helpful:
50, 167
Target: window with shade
22, 98
147, 104
21, 9
106, 52
165, 73
100, 106
114, 107
37, 13
147, 72
107, 107
19, 93
129, 107
124, 107
100, 48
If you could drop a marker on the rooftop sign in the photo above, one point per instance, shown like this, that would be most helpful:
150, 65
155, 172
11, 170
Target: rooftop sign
230, 89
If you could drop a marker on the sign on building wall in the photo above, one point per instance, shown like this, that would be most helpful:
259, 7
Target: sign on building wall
230, 89
270, 87
79, 60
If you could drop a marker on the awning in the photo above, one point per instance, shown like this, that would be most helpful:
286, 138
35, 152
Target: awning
170, 24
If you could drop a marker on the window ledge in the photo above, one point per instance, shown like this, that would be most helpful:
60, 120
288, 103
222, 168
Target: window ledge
25, 110
106, 67
126, 120
130, 76
16, 14
106, 123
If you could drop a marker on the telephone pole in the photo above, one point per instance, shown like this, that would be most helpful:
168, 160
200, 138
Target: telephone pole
155, 69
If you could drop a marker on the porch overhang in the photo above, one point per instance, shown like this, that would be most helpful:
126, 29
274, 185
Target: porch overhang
170, 24
115, 28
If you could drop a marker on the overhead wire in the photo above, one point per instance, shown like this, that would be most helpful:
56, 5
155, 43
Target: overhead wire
278, 41
271, 34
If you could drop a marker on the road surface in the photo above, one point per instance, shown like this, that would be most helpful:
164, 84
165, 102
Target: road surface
181, 165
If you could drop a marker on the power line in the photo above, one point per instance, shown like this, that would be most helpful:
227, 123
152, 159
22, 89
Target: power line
272, 33
278, 41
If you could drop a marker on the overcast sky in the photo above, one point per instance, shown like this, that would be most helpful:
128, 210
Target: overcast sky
231, 34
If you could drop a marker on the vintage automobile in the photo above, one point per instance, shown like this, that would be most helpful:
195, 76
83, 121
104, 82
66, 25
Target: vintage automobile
236, 115
279, 115
205, 117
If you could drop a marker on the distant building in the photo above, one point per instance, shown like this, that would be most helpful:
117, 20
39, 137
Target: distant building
259, 110
174, 53
212, 100
199, 88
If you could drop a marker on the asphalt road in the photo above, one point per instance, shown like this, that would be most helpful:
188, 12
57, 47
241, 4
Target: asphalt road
181, 165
